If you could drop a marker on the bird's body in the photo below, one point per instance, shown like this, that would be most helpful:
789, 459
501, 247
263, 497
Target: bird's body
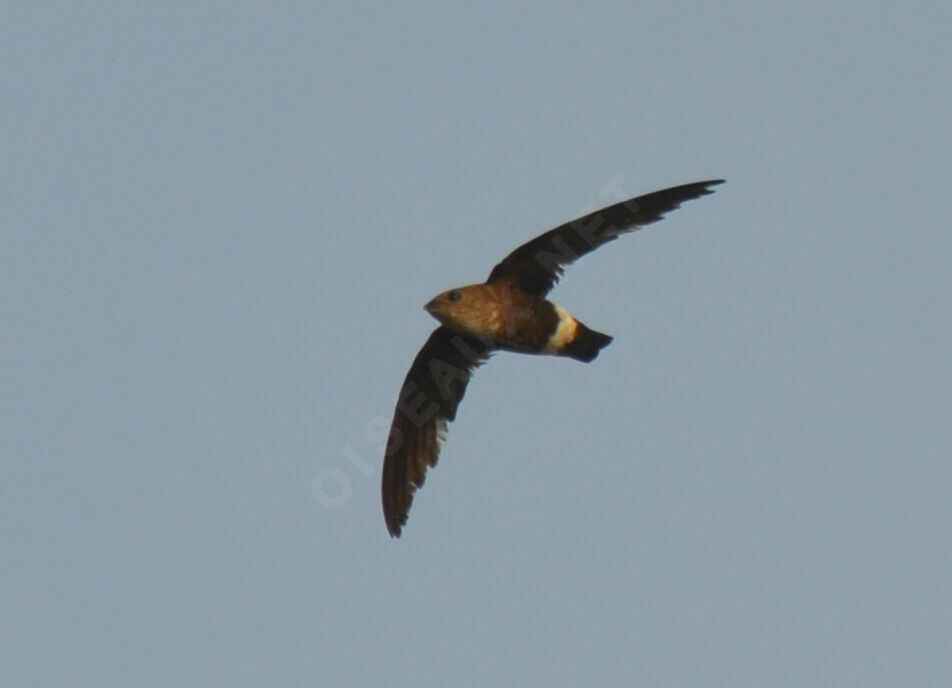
513, 320
508, 312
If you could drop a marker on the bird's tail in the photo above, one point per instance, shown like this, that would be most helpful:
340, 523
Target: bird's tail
587, 344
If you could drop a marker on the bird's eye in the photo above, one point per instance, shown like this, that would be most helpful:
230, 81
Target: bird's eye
454, 296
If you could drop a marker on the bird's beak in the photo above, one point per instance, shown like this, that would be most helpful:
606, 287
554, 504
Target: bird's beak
437, 309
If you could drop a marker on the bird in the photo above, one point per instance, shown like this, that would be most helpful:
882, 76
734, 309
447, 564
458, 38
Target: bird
507, 312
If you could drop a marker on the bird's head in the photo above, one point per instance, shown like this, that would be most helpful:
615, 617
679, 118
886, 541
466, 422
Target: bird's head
470, 310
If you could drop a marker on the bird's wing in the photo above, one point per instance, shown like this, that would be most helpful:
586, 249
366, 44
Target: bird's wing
428, 400
537, 265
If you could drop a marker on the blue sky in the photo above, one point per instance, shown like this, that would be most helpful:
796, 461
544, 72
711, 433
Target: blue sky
219, 225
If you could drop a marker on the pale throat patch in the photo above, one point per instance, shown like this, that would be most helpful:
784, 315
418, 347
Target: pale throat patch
565, 332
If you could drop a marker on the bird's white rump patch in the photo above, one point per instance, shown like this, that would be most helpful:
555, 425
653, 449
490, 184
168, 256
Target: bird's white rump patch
564, 334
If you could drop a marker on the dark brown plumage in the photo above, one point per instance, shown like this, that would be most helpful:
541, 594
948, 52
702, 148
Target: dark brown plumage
507, 312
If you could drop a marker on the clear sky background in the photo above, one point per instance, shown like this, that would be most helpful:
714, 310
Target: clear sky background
219, 223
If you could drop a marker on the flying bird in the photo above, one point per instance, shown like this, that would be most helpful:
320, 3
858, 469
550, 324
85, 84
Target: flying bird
507, 312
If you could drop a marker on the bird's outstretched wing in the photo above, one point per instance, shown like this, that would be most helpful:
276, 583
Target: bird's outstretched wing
537, 265
429, 397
